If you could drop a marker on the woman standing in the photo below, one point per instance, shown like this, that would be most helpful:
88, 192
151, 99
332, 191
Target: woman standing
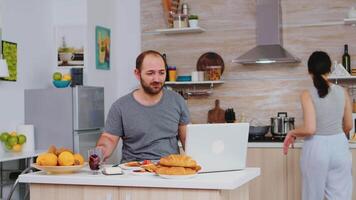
326, 159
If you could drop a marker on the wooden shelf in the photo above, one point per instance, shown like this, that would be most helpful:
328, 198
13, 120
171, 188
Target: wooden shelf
350, 21
193, 82
180, 30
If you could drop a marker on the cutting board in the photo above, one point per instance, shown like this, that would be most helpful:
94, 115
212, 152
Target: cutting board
217, 114
166, 4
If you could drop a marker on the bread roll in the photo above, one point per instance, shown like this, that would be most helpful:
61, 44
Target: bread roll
175, 160
175, 170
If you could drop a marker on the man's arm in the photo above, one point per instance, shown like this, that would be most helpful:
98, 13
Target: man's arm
107, 143
182, 131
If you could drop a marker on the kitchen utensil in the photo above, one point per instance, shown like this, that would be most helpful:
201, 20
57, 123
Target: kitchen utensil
281, 124
166, 4
258, 131
216, 115
180, 20
210, 59
230, 115
173, 10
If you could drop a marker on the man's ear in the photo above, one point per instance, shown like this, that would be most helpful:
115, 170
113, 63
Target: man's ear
137, 73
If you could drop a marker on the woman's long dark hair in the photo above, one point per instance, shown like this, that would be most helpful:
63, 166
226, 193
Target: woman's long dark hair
319, 63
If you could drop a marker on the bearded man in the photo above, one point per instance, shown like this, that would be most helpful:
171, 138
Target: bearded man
150, 119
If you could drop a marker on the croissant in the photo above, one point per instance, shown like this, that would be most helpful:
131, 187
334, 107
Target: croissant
175, 170
175, 160
149, 167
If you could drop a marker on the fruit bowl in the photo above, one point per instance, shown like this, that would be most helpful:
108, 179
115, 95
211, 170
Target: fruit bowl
12, 142
59, 169
61, 84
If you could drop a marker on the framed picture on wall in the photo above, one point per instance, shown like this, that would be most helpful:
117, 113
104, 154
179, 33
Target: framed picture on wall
9, 52
102, 48
70, 45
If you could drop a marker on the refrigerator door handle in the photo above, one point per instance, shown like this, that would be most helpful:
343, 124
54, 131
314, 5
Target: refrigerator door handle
89, 131
78, 137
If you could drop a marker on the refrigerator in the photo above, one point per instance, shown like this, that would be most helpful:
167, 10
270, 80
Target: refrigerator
66, 117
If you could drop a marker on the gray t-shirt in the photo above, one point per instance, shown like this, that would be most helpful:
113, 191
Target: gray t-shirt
329, 110
148, 132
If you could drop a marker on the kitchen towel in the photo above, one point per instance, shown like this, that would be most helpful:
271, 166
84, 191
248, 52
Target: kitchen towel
28, 131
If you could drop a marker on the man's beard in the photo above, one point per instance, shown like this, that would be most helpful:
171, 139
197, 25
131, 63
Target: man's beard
149, 89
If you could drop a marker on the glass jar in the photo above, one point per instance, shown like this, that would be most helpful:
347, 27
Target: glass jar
213, 73
180, 21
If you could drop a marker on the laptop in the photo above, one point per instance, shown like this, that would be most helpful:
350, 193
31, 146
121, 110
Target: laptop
218, 147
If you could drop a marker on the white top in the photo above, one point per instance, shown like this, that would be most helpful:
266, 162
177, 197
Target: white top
297, 144
9, 156
220, 180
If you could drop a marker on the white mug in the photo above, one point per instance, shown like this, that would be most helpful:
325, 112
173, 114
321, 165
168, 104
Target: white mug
200, 75
195, 76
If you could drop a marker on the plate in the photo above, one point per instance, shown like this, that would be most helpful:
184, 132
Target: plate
177, 176
210, 59
59, 169
123, 166
142, 173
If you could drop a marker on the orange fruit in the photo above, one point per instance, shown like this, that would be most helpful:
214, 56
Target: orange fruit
17, 148
66, 158
47, 159
78, 159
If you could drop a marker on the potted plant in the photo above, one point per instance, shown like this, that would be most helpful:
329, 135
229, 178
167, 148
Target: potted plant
193, 21
65, 53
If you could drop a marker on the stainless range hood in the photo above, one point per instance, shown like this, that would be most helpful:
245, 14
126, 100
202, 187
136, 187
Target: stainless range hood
268, 37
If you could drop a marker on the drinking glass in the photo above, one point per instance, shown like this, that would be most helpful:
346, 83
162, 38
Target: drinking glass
95, 157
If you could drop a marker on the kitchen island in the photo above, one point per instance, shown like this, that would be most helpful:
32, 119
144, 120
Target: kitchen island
84, 185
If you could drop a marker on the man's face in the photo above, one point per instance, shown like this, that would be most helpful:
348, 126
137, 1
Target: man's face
152, 74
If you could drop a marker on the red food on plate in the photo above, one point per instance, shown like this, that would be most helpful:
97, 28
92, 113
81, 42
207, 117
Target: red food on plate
146, 162
132, 164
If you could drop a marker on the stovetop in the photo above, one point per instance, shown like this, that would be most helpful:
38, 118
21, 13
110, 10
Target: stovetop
265, 139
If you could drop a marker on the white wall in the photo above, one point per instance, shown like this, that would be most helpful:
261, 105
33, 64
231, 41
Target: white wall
123, 18
30, 23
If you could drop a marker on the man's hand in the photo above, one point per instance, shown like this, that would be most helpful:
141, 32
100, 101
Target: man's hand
288, 141
107, 143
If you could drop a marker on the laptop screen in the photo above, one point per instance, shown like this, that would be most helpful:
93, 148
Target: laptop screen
218, 147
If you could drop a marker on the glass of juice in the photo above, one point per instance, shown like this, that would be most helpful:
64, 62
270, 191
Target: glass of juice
95, 158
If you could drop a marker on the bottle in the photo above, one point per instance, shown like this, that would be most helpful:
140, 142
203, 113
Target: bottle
185, 8
166, 65
346, 61
354, 106
172, 73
